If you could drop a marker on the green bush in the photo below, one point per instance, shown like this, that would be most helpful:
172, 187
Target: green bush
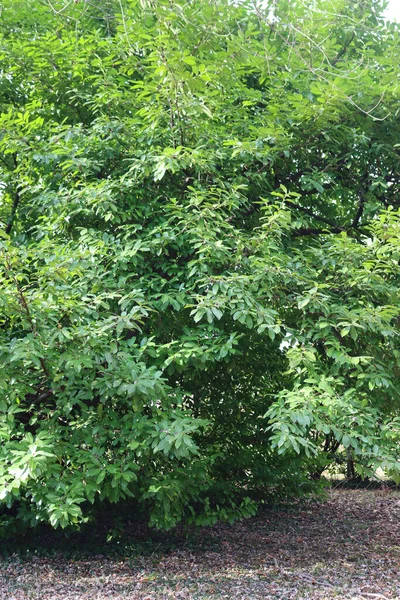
199, 254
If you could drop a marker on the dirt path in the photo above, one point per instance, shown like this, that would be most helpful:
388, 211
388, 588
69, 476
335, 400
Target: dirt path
347, 547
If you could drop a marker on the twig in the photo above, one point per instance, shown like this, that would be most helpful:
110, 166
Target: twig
371, 595
155, 550
314, 71
58, 12
25, 307
306, 576
312, 579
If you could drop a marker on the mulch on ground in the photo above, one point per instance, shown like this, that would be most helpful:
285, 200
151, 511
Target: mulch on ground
346, 547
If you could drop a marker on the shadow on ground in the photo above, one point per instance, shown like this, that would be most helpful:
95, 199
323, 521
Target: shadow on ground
347, 547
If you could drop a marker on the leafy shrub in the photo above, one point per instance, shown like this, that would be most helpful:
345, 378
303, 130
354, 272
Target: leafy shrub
200, 255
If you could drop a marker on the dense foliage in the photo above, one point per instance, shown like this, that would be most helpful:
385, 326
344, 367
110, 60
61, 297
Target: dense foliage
200, 251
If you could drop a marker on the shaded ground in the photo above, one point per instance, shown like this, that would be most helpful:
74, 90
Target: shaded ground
347, 547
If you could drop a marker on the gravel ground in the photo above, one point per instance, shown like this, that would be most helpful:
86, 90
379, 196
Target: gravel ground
347, 547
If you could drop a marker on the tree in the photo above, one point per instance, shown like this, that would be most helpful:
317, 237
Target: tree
200, 251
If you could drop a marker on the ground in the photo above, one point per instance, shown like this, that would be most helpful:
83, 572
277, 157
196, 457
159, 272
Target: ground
346, 547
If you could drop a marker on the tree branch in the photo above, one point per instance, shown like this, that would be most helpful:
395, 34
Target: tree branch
16, 201
359, 212
309, 212
14, 209
312, 231
5, 163
26, 308
351, 231
343, 51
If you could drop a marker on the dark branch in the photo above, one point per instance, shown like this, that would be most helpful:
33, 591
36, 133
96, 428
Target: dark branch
351, 231
16, 201
14, 209
359, 212
309, 212
44, 396
343, 51
5, 163
25, 306
312, 231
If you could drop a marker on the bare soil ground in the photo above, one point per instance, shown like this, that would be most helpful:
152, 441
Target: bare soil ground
347, 547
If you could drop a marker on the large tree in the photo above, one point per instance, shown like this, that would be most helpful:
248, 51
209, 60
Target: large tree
199, 253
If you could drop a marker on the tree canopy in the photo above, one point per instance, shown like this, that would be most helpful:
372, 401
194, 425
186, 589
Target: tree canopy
200, 245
